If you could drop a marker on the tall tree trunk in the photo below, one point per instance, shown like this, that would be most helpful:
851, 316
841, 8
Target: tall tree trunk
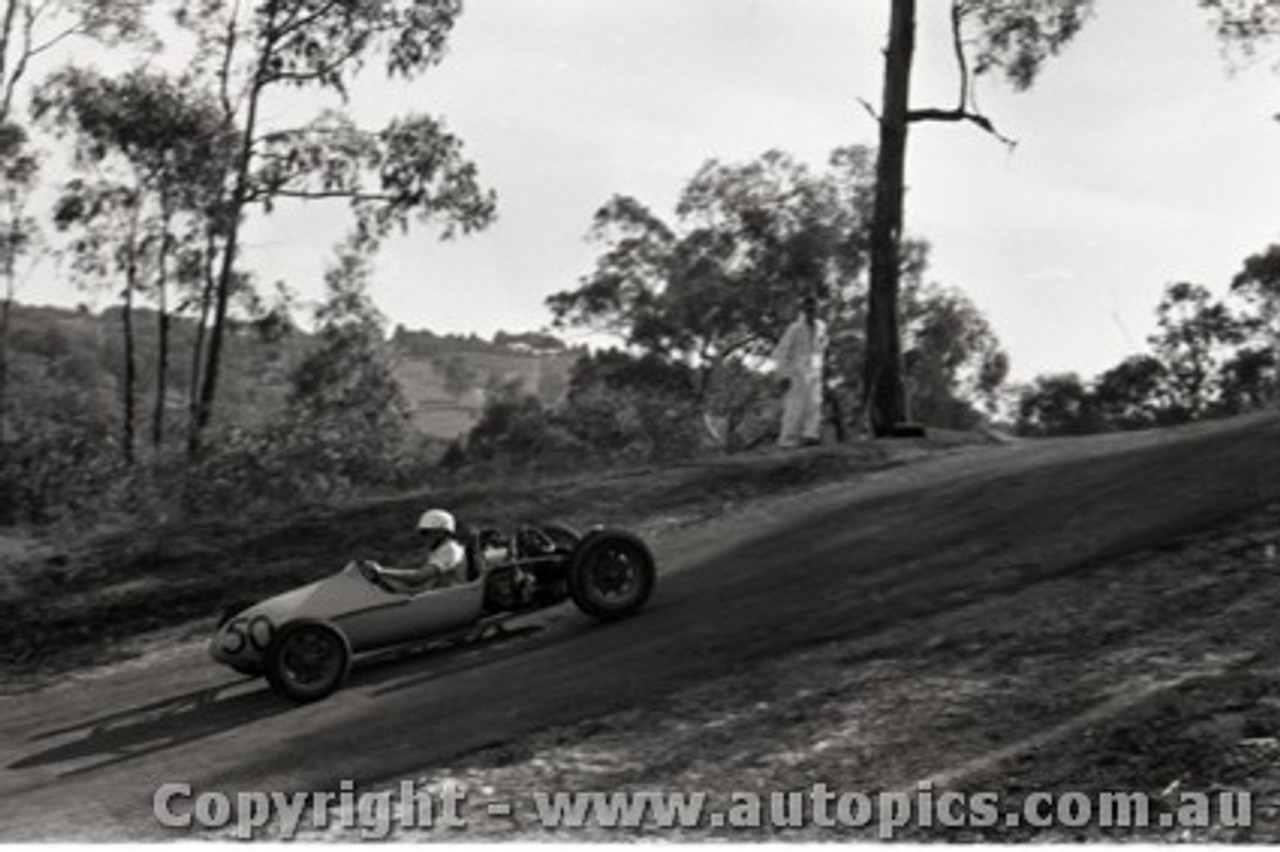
7, 21
222, 292
162, 339
7, 84
197, 350
130, 366
234, 219
885, 394
5, 309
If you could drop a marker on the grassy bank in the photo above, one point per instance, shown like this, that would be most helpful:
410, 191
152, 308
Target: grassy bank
68, 603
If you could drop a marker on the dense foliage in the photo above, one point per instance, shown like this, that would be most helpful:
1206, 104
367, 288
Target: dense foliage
1209, 358
713, 293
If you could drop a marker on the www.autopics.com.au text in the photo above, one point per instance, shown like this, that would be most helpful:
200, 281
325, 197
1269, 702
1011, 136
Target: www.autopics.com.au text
411, 806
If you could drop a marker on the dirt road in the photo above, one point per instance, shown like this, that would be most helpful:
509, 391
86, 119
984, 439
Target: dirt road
82, 759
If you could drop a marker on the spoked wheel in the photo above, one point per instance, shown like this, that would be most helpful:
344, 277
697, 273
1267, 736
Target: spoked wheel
308, 660
612, 575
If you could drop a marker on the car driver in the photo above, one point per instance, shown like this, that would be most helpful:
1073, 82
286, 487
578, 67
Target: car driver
446, 557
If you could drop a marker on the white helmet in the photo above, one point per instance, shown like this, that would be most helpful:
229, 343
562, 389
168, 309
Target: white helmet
437, 519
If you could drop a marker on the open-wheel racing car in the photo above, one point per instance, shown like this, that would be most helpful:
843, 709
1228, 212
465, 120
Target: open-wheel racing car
304, 640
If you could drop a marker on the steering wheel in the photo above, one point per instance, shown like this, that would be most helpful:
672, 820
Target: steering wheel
369, 570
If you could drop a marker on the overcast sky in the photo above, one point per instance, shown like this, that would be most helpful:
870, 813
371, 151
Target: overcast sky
1141, 160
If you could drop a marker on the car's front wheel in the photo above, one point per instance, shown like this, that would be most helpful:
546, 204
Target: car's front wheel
612, 575
308, 660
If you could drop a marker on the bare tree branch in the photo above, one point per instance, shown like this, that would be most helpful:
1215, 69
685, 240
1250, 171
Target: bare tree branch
741, 343
20, 67
53, 41
39, 10
228, 54
962, 112
960, 115
318, 195
957, 41
6, 36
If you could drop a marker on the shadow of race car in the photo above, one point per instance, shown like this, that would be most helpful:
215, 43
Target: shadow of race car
304, 641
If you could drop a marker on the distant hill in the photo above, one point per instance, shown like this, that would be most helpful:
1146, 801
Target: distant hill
68, 364
447, 379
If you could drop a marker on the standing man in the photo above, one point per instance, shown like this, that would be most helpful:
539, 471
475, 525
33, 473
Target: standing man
798, 360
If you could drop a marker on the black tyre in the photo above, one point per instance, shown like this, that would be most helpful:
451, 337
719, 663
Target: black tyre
612, 575
308, 660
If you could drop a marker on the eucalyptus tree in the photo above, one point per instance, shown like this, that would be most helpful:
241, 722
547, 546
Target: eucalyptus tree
149, 149
411, 169
1007, 38
715, 289
107, 218
344, 405
1011, 38
1195, 333
1258, 283
721, 284
31, 31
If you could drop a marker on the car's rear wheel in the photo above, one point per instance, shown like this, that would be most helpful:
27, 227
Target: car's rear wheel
612, 575
308, 660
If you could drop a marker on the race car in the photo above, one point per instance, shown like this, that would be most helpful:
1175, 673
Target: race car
304, 641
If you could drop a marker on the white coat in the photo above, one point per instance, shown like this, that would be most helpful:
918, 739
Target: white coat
798, 358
